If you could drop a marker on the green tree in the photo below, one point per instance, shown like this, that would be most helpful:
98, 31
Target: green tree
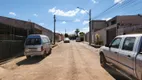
81, 34
66, 35
77, 31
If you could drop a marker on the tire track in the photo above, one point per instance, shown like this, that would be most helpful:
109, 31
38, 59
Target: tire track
72, 70
91, 77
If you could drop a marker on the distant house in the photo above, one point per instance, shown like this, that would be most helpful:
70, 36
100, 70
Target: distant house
59, 37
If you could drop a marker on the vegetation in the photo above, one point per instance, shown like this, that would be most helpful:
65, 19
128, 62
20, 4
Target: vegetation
77, 31
81, 35
66, 35
98, 41
72, 36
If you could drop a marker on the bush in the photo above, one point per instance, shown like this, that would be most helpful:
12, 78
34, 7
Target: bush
99, 42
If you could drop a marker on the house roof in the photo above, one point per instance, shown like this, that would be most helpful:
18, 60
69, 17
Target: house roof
14, 22
20, 23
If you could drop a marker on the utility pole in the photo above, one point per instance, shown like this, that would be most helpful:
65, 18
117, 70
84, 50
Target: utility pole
65, 31
54, 27
90, 27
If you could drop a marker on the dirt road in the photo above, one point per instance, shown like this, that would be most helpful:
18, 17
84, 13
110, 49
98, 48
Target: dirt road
68, 61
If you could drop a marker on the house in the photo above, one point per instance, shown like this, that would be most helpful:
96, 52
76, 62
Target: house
119, 25
13, 33
59, 37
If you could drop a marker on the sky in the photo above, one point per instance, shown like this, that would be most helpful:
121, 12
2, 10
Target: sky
68, 16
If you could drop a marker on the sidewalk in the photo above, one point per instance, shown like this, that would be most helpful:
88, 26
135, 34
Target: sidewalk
95, 50
56, 44
93, 45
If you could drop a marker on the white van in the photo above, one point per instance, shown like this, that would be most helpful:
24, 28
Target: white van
37, 44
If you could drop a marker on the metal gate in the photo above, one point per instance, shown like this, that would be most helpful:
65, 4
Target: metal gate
9, 48
111, 34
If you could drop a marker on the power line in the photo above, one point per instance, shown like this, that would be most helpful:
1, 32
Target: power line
116, 7
70, 20
106, 10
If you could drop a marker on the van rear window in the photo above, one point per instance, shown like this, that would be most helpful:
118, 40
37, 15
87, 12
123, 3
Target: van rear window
33, 41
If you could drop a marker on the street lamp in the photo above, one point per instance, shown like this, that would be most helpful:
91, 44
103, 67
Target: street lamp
90, 23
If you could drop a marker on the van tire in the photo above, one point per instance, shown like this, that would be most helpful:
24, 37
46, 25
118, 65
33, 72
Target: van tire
103, 60
28, 57
44, 55
50, 51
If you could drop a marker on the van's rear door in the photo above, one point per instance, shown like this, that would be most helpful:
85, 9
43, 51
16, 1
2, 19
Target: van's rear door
33, 44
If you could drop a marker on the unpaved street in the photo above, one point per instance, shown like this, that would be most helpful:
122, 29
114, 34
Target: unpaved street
68, 61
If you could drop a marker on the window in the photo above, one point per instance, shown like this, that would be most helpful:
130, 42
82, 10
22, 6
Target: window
116, 43
48, 40
113, 22
44, 40
129, 43
33, 41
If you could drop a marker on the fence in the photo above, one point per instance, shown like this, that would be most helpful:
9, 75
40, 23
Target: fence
9, 48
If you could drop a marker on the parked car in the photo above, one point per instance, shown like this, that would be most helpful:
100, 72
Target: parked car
125, 52
37, 44
78, 39
66, 40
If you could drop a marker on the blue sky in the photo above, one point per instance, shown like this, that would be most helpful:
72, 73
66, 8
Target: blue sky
68, 16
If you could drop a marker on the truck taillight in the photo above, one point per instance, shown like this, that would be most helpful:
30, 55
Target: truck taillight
41, 48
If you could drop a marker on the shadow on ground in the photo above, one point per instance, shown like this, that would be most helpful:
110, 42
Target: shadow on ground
115, 74
32, 60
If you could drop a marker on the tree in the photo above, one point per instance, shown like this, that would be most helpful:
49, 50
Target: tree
81, 34
66, 35
72, 36
77, 31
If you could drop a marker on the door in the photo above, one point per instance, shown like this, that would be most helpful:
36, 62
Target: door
126, 55
33, 44
139, 60
45, 44
111, 34
113, 50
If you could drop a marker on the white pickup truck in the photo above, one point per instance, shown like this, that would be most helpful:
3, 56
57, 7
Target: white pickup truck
125, 53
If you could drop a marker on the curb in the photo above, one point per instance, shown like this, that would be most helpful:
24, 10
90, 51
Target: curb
11, 58
54, 45
95, 46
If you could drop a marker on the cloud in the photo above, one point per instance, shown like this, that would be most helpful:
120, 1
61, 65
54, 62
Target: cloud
71, 32
76, 20
59, 12
35, 15
12, 13
85, 29
41, 24
83, 11
94, 1
85, 22
118, 1
64, 22
106, 19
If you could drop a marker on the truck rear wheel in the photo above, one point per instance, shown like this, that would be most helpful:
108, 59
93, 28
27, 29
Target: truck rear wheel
28, 57
50, 51
102, 60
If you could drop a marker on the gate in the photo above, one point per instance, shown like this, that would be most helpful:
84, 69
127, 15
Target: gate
111, 34
10, 48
